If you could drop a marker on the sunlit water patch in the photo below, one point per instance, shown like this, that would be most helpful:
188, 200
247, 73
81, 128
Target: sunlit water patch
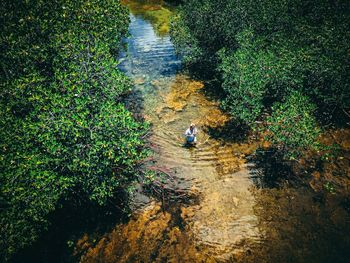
148, 56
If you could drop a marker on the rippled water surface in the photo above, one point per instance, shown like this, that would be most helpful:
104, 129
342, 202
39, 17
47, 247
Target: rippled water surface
171, 100
232, 220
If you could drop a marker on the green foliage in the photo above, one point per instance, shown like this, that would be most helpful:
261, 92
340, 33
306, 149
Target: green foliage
246, 75
292, 126
187, 46
329, 187
267, 50
63, 128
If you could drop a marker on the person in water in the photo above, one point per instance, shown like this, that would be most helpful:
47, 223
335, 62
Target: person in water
191, 134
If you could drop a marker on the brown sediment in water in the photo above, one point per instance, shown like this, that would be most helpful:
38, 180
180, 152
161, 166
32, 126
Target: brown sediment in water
308, 222
300, 226
178, 97
185, 92
334, 170
153, 10
152, 236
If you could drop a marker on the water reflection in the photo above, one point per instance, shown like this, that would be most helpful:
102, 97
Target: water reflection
156, 12
148, 56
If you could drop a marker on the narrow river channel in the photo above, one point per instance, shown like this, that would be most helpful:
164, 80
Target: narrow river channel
234, 218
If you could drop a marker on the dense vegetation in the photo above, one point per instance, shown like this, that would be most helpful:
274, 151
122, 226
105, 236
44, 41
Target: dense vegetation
281, 63
64, 132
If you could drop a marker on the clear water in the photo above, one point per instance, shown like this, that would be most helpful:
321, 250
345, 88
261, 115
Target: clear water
148, 56
170, 100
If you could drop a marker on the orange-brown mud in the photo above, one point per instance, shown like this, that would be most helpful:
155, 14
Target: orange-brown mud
157, 236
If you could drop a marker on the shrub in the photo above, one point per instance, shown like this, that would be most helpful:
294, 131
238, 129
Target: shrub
293, 127
267, 51
64, 130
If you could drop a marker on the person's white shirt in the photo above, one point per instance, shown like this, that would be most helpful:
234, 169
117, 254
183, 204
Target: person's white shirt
192, 133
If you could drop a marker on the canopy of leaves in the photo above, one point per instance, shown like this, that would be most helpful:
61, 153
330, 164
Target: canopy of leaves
63, 128
293, 125
267, 50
